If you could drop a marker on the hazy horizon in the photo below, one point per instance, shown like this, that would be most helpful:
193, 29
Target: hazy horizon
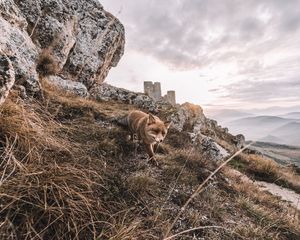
274, 110
233, 54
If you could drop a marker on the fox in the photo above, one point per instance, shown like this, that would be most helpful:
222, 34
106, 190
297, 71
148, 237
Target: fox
149, 129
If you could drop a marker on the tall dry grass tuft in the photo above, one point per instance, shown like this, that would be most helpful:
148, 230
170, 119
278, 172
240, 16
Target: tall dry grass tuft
52, 201
33, 134
269, 211
47, 65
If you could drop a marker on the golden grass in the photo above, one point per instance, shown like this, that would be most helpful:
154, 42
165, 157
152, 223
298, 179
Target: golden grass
53, 175
30, 133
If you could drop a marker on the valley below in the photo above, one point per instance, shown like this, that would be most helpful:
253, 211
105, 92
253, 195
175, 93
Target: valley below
282, 154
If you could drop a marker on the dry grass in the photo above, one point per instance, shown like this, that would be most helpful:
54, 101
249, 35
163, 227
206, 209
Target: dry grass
29, 132
226, 145
47, 65
142, 184
50, 187
67, 172
265, 169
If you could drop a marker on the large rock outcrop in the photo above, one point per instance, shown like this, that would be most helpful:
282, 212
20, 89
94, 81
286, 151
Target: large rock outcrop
204, 133
76, 40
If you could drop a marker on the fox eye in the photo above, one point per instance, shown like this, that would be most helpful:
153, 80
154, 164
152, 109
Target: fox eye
163, 132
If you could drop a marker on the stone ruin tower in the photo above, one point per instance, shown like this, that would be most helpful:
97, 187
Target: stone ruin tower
170, 97
153, 90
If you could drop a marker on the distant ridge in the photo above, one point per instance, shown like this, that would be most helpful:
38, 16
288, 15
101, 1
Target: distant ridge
290, 132
294, 115
268, 128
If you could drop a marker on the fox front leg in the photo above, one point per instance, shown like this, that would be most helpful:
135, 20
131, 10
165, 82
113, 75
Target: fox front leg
155, 147
150, 150
151, 154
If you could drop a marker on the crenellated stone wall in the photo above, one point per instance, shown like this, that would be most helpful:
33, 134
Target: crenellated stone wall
153, 90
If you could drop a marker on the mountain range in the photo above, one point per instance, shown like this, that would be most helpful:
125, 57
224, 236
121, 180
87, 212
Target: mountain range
283, 128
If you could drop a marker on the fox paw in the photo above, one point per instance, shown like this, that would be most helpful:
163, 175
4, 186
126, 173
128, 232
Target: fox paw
153, 161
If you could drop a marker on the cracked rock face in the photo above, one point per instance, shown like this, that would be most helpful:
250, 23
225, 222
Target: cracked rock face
84, 39
212, 148
75, 39
239, 141
18, 47
189, 117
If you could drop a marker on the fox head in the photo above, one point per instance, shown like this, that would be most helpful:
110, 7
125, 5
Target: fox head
156, 129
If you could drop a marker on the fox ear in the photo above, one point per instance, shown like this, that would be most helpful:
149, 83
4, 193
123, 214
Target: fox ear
151, 119
167, 124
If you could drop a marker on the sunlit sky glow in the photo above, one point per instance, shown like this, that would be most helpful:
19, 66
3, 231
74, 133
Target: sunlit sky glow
229, 53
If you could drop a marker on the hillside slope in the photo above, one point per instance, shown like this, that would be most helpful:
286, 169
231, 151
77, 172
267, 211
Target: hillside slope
68, 172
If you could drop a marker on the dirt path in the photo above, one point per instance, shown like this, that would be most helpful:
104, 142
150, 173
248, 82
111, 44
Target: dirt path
284, 193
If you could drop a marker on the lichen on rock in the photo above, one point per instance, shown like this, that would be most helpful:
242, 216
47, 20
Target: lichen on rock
17, 45
76, 88
7, 77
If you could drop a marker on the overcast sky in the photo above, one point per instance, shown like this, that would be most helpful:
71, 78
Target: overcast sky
231, 53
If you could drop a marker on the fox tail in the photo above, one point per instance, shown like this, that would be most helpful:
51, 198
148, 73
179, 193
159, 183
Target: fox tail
121, 121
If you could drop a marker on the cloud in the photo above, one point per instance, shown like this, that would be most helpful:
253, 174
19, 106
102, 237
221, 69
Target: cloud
252, 46
189, 33
261, 91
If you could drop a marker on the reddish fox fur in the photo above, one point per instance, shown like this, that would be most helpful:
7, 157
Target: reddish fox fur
149, 128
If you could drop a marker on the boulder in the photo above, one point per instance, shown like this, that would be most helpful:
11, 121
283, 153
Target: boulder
212, 148
188, 117
17, 45
239, 141
76, 88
